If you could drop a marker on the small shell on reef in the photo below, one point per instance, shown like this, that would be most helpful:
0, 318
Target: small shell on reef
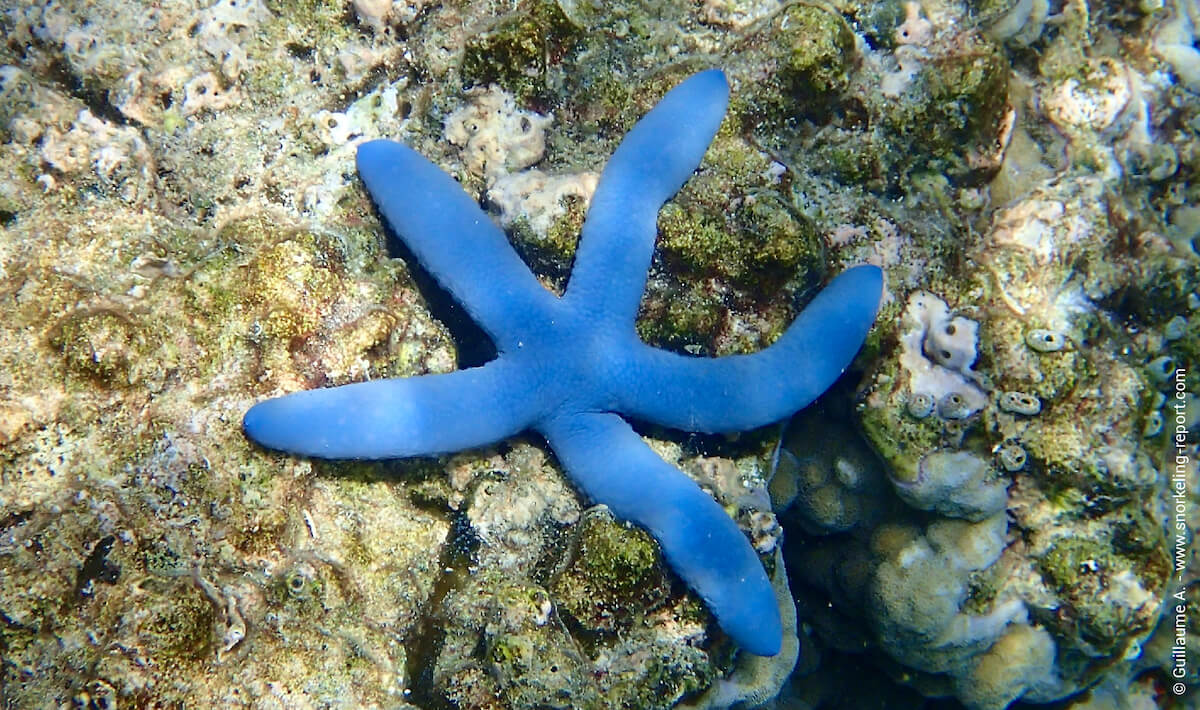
1161, 368
920, 405
1154, 424
1045, 341
765, 531
953, 406
1020, 403
1012, 457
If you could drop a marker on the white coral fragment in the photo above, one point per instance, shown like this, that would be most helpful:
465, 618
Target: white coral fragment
375, 114
1022, 24
539, 198
496, 136
915, 29
378, 14
1092, 104
221, 29
373, 13
908, 62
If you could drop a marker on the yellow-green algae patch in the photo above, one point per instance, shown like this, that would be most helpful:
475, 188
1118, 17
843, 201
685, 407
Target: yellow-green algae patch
732, 253
811, 54
614, 578
518, 50
1077, 566
102, 343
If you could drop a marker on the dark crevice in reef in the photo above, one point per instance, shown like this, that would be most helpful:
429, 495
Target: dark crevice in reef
15, 518
96, 98
428, 637
374, 78
701, 444
97, 568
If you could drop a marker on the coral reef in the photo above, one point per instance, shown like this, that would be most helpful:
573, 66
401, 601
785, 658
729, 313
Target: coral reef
182, 234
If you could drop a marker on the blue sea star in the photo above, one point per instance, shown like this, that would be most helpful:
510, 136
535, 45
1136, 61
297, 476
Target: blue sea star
570, 368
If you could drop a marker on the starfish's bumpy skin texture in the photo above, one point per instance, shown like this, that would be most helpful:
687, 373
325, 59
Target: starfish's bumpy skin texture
571, 367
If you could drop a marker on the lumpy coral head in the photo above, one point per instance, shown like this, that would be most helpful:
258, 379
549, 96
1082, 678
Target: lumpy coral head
572, 367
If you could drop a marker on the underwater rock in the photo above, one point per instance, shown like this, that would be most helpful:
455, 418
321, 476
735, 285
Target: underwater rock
955, 483
1021, 661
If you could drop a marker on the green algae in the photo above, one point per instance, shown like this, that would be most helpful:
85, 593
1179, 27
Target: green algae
812, 50
901, 439
177, 623
732, 248
686, 317
518, 50
1052, 376
822, 49
104, 344
953, 122
878, 21
536, 669
758, 247
615, 578
311, 21
851, 157
553, 253
1075, 567
665, 681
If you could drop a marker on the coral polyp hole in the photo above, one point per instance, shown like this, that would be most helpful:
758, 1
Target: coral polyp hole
1012, 457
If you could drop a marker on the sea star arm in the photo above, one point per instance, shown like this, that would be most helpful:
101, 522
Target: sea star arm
454, 240
396, 418
612, 465
649, 166
741, 392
